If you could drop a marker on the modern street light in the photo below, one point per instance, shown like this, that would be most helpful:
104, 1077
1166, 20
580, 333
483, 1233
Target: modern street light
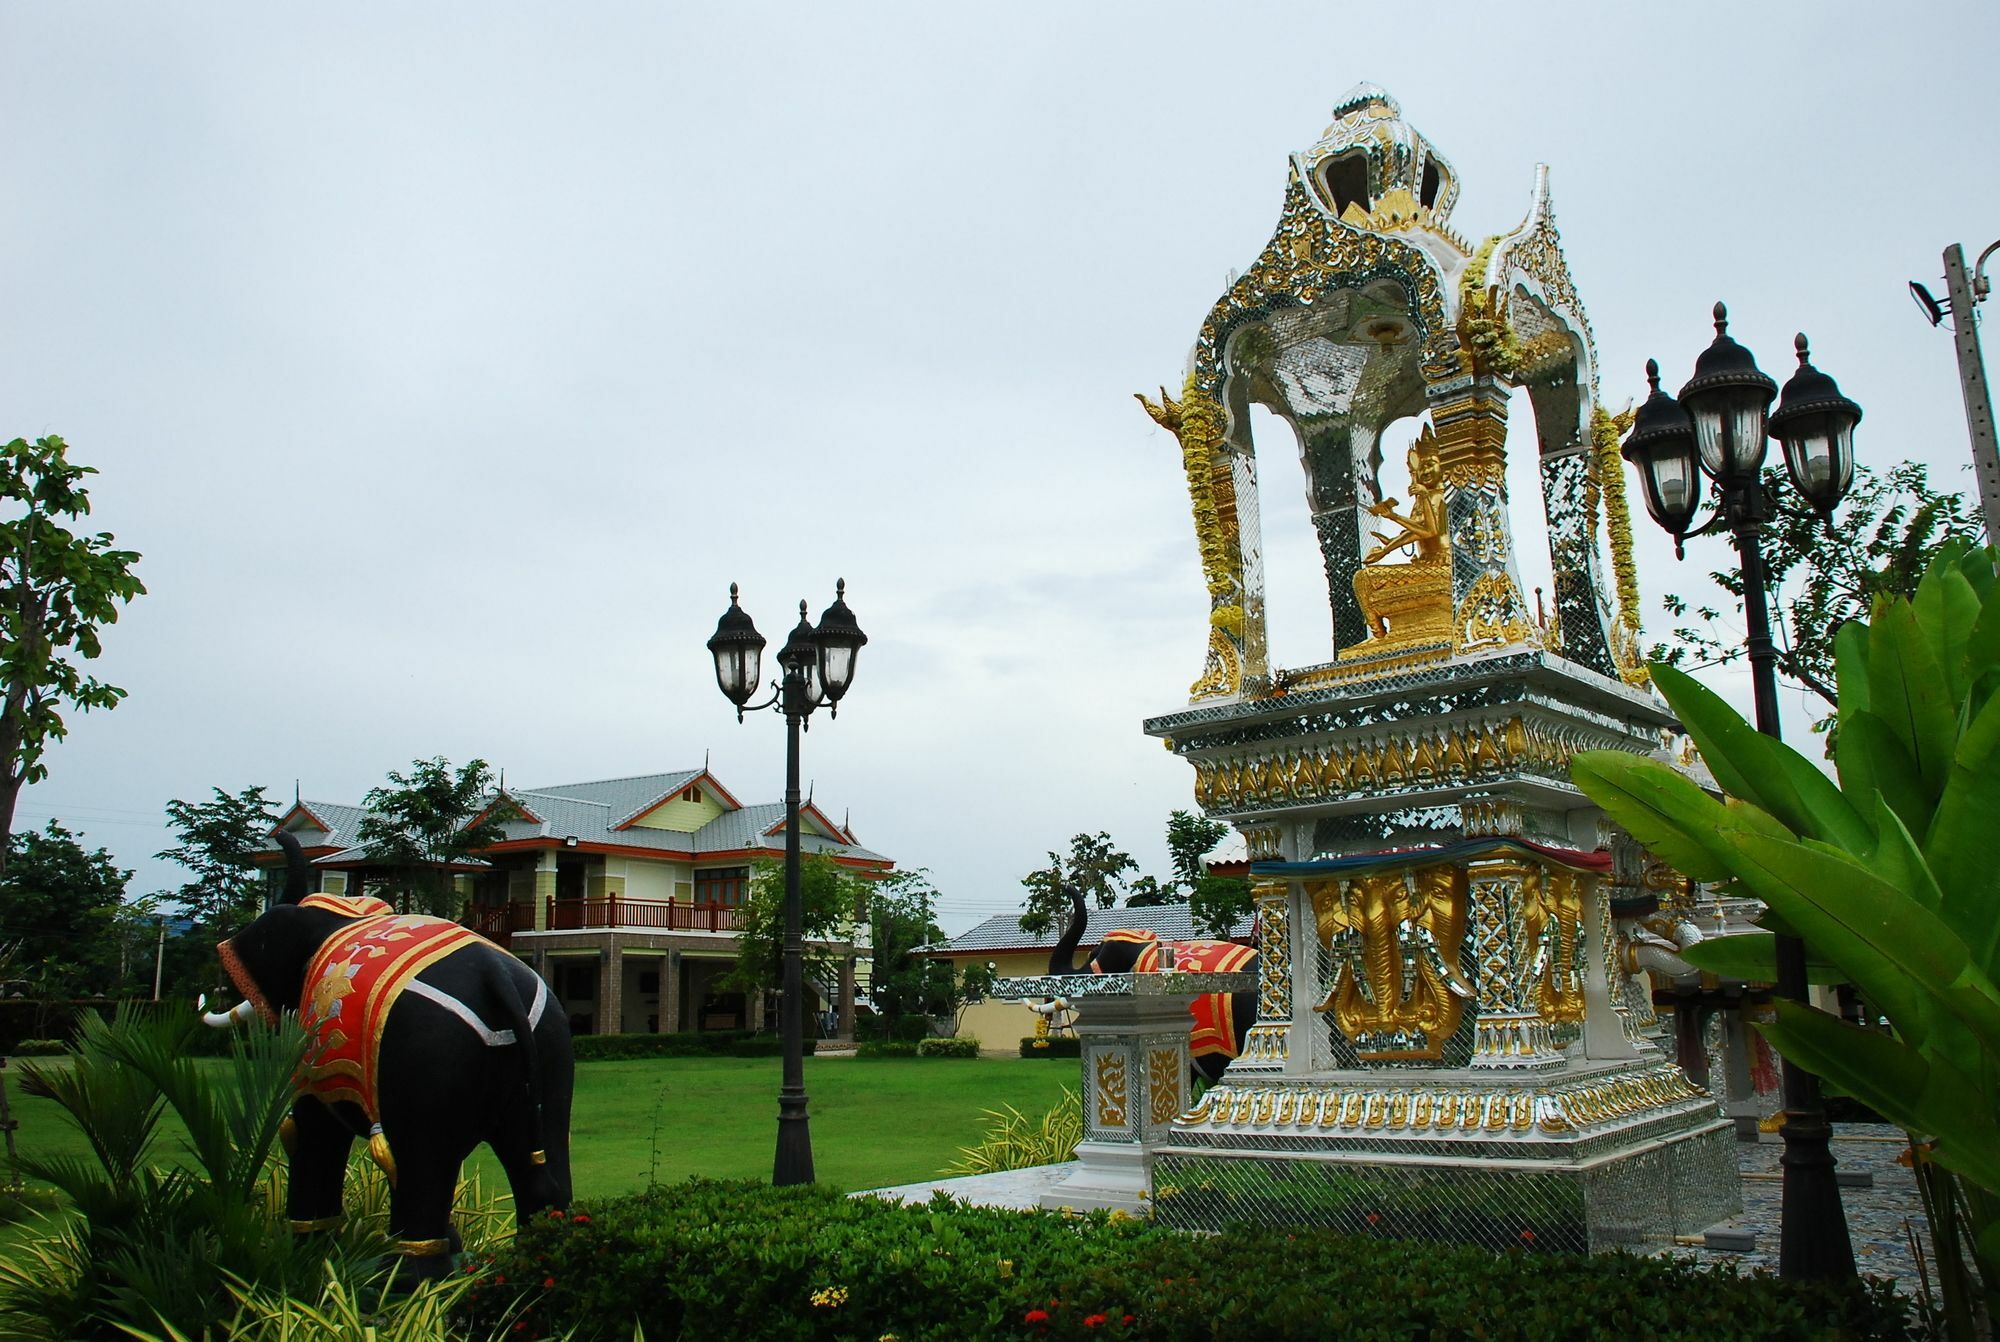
818, 667
1964, 291
1720, 425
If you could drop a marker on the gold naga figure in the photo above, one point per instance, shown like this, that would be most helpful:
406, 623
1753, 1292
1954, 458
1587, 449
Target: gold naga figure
1409, 603
1396, 990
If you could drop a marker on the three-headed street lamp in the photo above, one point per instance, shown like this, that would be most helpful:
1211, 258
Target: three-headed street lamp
818, 666
1718, 428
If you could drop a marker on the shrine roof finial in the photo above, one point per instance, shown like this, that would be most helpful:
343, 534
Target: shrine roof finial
1363, 95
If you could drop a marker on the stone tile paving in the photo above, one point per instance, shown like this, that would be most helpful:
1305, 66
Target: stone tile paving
1875, 1215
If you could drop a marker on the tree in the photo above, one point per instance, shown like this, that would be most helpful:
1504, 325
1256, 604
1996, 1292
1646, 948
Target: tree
1888, 529
219, 841
1215, 902
1094, 869
1887, 874
59, 905
424, 823
902, 909
831, 899
57, 590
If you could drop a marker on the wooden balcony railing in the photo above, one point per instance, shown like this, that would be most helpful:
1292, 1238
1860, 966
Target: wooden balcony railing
574, 915
653, 915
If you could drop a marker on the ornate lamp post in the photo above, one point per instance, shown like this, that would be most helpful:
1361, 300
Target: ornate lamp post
818, 667
1720, 425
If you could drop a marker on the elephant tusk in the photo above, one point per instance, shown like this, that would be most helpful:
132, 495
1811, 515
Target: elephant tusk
1049, 1007
222, 1020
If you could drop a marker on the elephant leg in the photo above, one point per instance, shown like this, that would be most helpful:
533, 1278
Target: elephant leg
318, 1143
544, 1182
420, 1206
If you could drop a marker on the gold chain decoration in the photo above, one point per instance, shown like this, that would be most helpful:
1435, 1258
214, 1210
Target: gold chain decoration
1196, 420
1486, 338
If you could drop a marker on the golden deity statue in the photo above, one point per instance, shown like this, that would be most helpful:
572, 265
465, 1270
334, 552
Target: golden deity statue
1409, 603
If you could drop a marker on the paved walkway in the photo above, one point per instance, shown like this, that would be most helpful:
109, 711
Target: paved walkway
1875, 1214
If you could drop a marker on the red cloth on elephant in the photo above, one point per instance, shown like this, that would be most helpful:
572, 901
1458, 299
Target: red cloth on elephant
1214, 1014
352, 982
347, 906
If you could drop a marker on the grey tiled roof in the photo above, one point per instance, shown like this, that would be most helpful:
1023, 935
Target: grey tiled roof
1002, 932
346, 821
624, 797
593, 811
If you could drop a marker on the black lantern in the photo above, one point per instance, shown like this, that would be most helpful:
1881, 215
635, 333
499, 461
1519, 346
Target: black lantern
738, 650
801, 654
1661, 445
1814, 424
840, 641
1726, 398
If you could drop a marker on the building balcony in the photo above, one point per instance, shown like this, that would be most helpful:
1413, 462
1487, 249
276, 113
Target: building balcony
605, 913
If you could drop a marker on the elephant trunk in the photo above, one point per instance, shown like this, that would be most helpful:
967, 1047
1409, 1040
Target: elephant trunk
1062, 957
223, 1020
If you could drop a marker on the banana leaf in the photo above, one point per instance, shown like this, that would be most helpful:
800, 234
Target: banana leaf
1660, 808
1922, 1094
1946, 608
1907, 689
1871, 759
1959, 845
1762, 769
1850, 668
1903, 956
1752, 957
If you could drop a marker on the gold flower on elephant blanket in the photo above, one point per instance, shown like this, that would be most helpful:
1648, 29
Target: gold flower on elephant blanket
352, 982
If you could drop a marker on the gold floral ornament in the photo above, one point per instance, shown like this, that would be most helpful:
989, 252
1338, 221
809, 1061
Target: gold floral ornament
1409, 603
1606, 431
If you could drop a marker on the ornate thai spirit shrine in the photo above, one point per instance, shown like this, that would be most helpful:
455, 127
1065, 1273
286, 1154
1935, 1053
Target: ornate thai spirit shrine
1451, 1037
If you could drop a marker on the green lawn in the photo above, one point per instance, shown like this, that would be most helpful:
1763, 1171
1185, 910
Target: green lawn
874, 1121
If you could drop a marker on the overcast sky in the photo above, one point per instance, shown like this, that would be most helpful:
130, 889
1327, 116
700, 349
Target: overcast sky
447, 363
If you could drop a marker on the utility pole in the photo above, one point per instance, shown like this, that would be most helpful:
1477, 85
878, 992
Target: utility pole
1964, 291
159, 955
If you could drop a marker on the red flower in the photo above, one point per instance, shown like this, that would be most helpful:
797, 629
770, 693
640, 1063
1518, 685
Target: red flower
1373, 1217
548, 1282
1035, 1316
1092, 1320
556, 1214
499, 1279
1127, 1319
579, 1219
1527, 1234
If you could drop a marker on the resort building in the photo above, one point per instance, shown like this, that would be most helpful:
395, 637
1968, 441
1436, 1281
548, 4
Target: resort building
625, 894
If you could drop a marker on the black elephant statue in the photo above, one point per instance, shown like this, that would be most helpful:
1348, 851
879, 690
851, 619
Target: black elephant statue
426, 1040
1222, 1021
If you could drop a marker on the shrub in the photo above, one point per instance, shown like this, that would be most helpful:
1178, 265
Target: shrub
1014, 1141
875, 1048
954, 1047
40, 1048
709, 1044
909, 1029
746, 1261
1053, 1046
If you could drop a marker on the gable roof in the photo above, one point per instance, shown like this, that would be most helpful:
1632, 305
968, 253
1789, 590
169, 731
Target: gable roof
1002, 932
599, 814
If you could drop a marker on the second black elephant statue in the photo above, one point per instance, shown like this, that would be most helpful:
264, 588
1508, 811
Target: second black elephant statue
1221, 1021
426, 1040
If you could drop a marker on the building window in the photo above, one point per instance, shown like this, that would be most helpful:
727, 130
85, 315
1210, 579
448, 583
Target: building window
692, 794
721, 885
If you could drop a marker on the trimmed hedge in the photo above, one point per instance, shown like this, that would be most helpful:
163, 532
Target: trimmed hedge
40, 1048
746, 1261
878, 1048
954, 1047
1055, 1046
709, 1044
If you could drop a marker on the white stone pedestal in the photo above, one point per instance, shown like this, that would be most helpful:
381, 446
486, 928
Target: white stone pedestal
1134, 1034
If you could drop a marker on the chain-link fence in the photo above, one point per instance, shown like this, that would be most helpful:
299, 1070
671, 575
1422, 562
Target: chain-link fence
1636, 1197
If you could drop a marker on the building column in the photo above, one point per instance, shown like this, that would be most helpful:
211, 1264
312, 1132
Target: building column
846, 1027
670, 993
611, 989
545, 888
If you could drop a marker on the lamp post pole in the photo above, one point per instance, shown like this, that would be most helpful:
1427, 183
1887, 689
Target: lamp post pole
818, 668
1718, 428
794, 1163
